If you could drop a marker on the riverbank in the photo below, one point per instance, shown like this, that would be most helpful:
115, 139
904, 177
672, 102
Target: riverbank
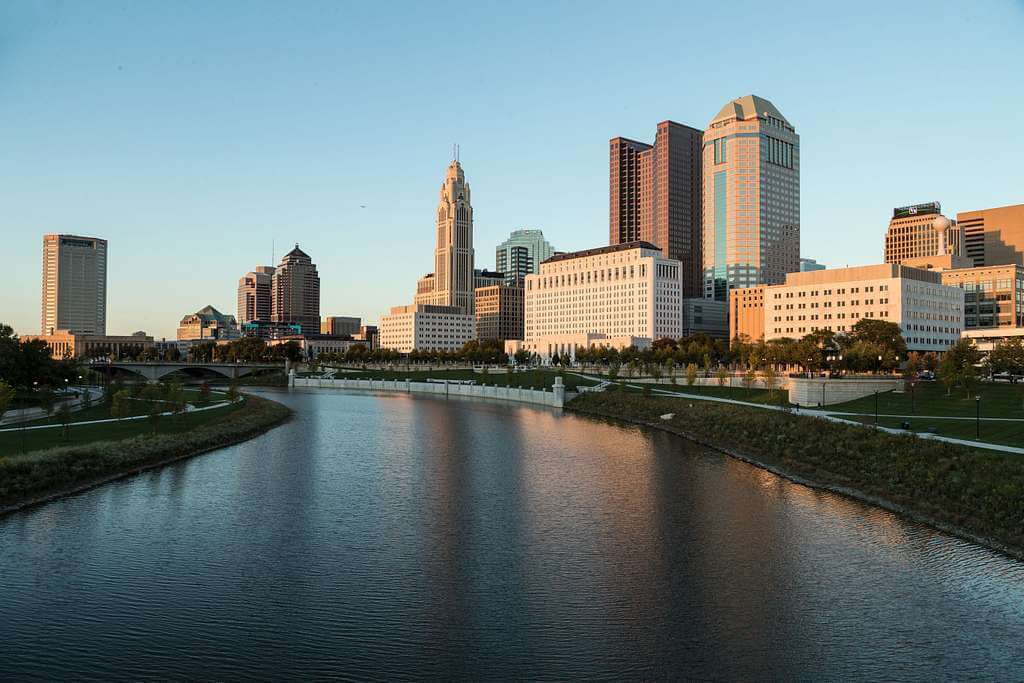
972, 494
43, 475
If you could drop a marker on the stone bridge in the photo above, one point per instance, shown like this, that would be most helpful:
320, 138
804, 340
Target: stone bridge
157, 370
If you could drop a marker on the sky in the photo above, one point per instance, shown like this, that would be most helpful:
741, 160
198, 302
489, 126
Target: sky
201, 139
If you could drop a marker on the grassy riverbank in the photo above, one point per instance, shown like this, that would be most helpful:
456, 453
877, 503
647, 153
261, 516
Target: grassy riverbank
974, 493
42, 474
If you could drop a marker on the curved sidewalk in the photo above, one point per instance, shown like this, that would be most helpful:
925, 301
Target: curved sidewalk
831, 416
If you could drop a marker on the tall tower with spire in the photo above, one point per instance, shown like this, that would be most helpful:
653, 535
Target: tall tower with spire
451, 283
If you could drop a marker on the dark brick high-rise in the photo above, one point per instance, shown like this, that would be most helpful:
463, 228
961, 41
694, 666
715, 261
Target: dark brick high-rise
655, 196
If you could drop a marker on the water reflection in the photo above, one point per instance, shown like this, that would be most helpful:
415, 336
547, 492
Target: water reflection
393, 536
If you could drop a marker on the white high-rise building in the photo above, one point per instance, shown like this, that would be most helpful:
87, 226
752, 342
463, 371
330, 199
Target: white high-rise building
451, 283
74, 284
627, 292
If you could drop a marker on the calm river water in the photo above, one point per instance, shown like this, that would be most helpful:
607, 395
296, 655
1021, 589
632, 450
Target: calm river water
398, 537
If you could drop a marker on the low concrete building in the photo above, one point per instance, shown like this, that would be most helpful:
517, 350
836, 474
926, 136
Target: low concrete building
993, 295
426, 327
313, 345
67, 344
208, 324
929, 313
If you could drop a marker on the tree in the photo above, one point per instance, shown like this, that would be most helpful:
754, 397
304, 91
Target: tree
958, 366
911, 368
204, 393
722, 374
1008, 357
749, 377
120, 405
770, 377
885, 337
691, 374
233, 392
7, 395
46, 401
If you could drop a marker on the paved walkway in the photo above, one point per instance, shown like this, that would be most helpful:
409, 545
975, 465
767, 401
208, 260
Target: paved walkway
189, 408
835, 417
29, 414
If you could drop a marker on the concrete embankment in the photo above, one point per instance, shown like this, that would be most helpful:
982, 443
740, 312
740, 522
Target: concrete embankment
554, 398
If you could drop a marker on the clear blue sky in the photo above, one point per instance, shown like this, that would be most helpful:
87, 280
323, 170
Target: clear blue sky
192, 134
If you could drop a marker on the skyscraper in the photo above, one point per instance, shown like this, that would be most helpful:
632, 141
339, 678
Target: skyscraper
751, 197
255, 300
921, 231
654, 194
451, 283
296, 292
522, 254
74, 284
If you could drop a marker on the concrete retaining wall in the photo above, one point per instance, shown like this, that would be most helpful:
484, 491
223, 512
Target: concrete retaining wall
554, 398
817, 391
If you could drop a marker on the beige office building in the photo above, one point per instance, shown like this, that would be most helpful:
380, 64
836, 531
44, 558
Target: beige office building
993, 295
66, 344
340, 325
295, 290
624, 290
751, 198
929, 313
451, 283
425, 327
74, 291
255, 295
746, 313
920, 232
207, 324
994, 237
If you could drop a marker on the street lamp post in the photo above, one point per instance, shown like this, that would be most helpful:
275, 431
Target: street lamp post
977, 416
876, 407
912, 403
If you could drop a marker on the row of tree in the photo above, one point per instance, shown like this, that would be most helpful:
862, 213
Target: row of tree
29, 364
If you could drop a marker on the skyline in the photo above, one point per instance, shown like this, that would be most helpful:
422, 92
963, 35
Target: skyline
193, 160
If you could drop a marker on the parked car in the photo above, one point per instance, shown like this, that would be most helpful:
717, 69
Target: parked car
926, 376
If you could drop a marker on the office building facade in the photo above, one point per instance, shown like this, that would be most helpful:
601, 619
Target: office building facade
499, 312
919, 232
74, 289
340, 326
993, 295
208, 324
654, 194
295, 288
255, 295
751, 198
426, 327
521, 254
625, 290
994, 237
930, 314
746, 314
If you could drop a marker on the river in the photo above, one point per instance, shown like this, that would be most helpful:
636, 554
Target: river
389, 536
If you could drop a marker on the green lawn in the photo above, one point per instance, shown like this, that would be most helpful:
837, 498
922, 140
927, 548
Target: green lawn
530, 379
101, 411
19, 441
1004, 433
753, 395
929, 398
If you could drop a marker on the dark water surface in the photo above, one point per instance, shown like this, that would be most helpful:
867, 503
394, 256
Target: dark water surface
389, 536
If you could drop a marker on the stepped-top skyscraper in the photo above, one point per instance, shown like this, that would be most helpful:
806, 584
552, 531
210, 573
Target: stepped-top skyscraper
451, 283
74, 284
654, 195
521, 254
296, 292
255, 300
751, 197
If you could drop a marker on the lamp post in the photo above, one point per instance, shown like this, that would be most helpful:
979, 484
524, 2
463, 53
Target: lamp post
822, 404
876, 407
977, 416
912, 404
